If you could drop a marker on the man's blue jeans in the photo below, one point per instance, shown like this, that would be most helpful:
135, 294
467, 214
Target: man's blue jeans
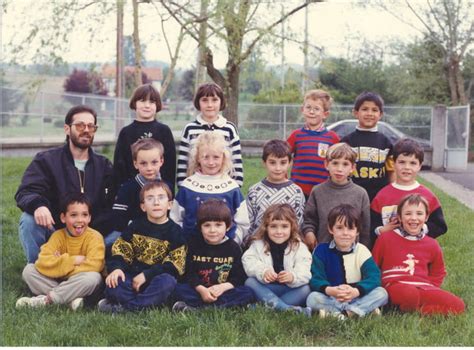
360, 306
278, 296
32, 236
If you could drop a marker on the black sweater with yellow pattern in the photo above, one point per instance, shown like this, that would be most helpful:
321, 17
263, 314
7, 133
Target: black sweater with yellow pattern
149, 248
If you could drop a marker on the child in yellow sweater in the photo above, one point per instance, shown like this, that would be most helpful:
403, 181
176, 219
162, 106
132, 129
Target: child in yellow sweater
69, 264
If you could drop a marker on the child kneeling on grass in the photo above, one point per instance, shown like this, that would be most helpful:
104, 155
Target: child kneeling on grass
278, 263
69, 264
214, 274
346, 280
412, 263
146, 260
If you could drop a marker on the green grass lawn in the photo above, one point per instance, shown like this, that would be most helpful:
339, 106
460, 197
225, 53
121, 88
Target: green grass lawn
58, 326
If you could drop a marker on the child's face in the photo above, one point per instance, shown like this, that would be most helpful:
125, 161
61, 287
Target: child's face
413, 218
156, 205
210, 161
77, 218
213, 231
145, 110
406, 169
368, 115
314, 113
340, 169
210, 107
279, 231
343, 235
277, 168
148, 163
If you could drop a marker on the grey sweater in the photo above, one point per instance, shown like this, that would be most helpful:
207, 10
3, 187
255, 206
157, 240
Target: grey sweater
326, 196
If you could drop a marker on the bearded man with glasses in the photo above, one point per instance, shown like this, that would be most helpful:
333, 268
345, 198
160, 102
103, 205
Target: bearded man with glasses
52, 174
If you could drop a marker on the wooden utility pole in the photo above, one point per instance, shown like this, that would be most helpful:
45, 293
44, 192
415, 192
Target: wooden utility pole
136, 45
305, 53
119, 76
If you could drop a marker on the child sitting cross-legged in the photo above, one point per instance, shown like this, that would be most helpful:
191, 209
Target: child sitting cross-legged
346, 280
278, 263
148, 257
69, 264
214, 274
412, 263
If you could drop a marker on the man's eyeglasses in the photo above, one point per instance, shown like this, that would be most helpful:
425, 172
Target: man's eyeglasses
82, 126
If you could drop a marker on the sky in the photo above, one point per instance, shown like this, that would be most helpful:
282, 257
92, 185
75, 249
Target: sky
336, 26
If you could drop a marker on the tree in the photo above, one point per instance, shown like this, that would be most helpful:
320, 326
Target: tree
85, 82
238, 24
450, 25
131, 83
129, 51
185, 86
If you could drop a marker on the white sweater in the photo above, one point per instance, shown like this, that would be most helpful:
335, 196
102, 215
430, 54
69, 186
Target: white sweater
297, 261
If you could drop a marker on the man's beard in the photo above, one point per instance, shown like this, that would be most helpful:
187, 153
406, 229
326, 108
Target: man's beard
82, 145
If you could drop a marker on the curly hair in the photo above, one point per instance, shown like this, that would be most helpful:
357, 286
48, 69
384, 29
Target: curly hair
214, 141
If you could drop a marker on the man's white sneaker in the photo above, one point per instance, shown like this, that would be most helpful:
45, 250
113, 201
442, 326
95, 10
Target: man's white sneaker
76, 304
377, 312
38, 301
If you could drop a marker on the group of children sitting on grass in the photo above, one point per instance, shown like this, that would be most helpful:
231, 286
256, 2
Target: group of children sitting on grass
355, 204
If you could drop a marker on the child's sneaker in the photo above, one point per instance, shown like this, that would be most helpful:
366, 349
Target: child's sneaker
181, 306
38, 301
302, 310
377, 312
105, 306
323, 313
76, 304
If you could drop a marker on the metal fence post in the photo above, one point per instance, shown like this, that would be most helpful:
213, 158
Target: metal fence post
42, 116
438, 137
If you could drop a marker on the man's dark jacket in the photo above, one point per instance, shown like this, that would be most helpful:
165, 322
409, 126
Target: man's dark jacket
52, 174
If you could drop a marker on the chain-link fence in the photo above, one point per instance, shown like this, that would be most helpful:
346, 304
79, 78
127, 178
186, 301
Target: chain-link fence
39, 116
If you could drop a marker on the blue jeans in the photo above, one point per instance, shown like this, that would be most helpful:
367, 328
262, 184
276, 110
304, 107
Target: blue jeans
237, 296
32, 236
111, 238
153, 293
278, 296
360, 306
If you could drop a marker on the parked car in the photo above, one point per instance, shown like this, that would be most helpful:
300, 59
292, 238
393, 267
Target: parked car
346, 126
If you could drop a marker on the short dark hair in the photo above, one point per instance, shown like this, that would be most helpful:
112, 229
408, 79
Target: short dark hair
407, 147
146, 144
369, 96
277, 148
345, 213
209, 89
155, 184
74, 197
145, 92
414, 198
214, 209
79, 109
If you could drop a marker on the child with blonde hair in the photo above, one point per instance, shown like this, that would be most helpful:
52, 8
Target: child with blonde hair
278, 263
209, 176
210, 101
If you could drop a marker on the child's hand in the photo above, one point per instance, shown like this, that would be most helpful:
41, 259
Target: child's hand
138, 281
79, 259
57, 254
310, 240
112, 279
218, 289
391, 225
269, 276
285, 277
346, 293
206, 294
